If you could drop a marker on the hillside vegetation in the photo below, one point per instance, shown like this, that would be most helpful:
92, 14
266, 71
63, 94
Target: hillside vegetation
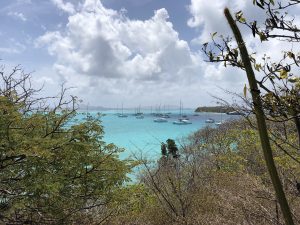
56, 170
215, 109
219, 178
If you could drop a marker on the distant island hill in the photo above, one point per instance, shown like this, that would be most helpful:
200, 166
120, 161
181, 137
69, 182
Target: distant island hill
215, 109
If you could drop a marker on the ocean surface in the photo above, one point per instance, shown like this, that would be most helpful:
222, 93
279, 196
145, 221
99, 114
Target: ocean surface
143, 137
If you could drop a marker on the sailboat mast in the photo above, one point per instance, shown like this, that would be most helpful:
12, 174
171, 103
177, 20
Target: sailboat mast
180, 108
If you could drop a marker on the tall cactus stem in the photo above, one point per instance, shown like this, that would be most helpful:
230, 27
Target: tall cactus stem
261, 122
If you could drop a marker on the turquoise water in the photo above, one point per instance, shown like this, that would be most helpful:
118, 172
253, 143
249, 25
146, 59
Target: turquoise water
143, 136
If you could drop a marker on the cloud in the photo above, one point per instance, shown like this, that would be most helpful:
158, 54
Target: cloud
102, 47
17, 15
66, 7
207, 17
111, 58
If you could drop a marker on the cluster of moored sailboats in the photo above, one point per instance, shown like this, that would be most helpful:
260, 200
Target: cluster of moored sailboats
159, 117
182, 120
165, 117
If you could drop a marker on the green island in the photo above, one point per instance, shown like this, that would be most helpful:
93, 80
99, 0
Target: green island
215, 109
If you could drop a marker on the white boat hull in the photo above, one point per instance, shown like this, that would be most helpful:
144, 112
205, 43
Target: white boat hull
160, 120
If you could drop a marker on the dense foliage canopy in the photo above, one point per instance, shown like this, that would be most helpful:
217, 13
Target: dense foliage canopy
53, 169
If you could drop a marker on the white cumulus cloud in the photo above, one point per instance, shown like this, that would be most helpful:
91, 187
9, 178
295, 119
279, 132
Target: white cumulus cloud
64, 6
207, 17
102, 47
113, 58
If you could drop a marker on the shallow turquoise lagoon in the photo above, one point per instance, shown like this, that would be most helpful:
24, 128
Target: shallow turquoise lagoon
144, 136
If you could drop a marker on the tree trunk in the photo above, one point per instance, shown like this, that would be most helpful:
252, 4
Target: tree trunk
297, 123
261, 123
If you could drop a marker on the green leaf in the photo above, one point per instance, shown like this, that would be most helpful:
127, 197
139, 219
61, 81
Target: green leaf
291, 55
269, 95
257, 67
242, 20
262, 36
245, 91
293, 79
283, 74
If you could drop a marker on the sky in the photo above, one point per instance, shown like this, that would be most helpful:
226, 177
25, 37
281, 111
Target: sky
135, 52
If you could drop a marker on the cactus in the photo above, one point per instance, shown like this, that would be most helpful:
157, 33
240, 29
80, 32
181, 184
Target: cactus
261, 123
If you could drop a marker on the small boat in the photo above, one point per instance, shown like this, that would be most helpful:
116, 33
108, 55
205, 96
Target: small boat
210, 120
220, 121
122, 115
179, 122
186, 121
138, 114
235, 113
160, 120
165, 116
183, 119
182, 122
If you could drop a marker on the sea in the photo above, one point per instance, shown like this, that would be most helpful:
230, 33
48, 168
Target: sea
142, 138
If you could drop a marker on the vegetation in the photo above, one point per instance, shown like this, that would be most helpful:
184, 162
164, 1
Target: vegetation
220, 177
53, 171
261, 122
278, 91
57, 170
278, 82
215, 109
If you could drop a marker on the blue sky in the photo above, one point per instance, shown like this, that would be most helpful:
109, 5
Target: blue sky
138, 9
111, 51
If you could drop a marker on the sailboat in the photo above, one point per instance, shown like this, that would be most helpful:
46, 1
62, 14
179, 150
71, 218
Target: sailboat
164, 114
117, 113
221, 121
182, 120
139, 114
122, 115
151, 112
209, 120
161, 118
